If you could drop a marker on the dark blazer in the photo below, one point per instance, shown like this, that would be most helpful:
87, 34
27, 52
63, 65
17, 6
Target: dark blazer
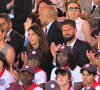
55, 33
16, 41
79, 52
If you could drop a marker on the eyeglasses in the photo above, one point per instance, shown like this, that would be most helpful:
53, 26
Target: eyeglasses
75, 8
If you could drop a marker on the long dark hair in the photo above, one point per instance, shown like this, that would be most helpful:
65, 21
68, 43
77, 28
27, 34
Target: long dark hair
72, 65
43, 45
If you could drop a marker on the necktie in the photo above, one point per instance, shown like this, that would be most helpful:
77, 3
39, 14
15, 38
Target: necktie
33, 4
93, 9
46, 31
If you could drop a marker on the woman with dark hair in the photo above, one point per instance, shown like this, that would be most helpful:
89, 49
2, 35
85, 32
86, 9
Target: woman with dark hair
37, 40
64, 58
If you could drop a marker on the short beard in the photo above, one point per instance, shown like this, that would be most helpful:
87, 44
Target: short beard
68, 38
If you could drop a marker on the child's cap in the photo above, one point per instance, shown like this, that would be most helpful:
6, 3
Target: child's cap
63, 69
14, 86
97, 52
65, 49
2, 55
35, 53
89, 88
89, 67
52, 85
27, 68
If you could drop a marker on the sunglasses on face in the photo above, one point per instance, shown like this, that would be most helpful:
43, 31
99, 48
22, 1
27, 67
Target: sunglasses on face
75, 8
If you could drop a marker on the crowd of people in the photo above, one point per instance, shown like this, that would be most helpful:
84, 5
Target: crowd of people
49, 45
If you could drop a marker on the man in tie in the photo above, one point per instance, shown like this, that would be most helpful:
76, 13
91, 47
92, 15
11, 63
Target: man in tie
92, 8
48, 18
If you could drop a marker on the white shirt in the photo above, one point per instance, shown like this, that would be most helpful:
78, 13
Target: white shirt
48, 27
93, 4
72, 44
8, 33
6, 79
40, 77
76, 75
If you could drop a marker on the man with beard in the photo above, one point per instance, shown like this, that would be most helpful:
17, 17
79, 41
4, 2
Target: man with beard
79, 47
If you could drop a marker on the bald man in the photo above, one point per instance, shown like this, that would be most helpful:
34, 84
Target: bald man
48, 17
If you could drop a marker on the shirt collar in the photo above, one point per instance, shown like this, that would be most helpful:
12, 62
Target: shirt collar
72, 44
93, 4
8, 33
49, 25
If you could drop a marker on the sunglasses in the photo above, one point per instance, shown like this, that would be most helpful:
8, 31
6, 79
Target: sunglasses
71, 8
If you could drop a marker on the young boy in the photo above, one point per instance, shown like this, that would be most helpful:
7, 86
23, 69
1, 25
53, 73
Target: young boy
63, 77
26, 76
89, 72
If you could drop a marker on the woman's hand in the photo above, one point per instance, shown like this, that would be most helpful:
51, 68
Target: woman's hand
24, 57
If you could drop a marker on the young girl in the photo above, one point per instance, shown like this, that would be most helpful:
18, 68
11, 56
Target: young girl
5, 76
34, 60
64, 59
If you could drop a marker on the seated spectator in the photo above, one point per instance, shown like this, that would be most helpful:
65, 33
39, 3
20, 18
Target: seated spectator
5, 76
26, 76
14, 86
83, 28
16, 39
64, 58
63, 76
5, 48
34, 60
89, 72
31, 18
37, 40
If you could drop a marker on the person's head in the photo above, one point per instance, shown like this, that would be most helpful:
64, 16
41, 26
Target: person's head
73, 10
3, 61
37, 38
34, 58
3, 34
43, 3
64, 57
97, 2
14, 86
97, 57
63, 76
52, 85
26, 75
47, 14
69, 30
31, 18
89, 72
6, 21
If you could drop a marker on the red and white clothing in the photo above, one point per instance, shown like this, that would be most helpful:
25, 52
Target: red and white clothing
40, 76
5, 79
34, 86
98, 78
76, 75
70, 88
95, 84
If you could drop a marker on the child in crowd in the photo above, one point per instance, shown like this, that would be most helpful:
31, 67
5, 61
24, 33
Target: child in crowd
89, 72
64, 59
95, 59
5, 75
34, 60
26, 76
63, 76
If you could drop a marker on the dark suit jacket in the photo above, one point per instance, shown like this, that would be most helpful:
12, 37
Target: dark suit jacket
55, 33
79, 52
16, 41
21, 9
